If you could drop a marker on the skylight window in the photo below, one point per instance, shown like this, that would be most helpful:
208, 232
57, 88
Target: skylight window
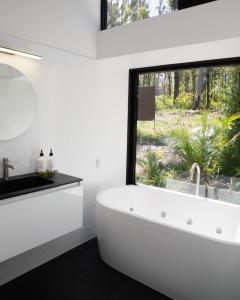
120, 12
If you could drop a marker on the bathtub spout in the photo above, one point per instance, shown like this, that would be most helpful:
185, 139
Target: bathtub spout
193, 168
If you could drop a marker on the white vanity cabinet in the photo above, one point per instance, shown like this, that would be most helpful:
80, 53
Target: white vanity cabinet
33, 219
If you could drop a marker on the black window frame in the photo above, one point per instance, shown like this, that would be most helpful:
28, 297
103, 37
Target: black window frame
133, 103
104, 14
182, 4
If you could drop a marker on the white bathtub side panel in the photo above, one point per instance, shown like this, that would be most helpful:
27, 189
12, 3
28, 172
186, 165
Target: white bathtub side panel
31, 222
177, 264
148, 202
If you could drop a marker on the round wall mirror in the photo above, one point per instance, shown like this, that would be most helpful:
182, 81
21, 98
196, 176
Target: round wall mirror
17, 102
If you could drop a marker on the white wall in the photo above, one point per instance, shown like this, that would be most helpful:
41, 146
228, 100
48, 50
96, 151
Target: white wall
213, 21
82, 110
71, 25
56, 30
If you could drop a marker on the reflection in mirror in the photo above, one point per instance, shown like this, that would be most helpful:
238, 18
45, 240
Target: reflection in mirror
17, 102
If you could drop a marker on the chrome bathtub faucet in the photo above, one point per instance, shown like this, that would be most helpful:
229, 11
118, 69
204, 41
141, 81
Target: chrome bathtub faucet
6, 167
193, 168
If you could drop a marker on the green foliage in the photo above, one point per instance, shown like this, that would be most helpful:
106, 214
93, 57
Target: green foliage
154, 173
147, 136
47, 174
125, 11
128, 14
173, 4
206, 145
229, 161
163, 102
143, 13
184, 101
114, 13
134, 10
210, 138
190, 147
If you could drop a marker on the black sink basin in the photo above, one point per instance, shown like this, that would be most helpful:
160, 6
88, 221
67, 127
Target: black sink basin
15, 185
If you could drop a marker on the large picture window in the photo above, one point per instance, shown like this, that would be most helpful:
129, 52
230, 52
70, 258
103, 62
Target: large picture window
180, 115
119, 12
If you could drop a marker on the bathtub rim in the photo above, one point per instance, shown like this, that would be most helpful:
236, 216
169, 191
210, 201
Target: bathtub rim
132, 214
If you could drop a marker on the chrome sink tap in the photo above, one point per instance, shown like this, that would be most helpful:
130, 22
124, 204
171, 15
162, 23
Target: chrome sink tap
6, 167
193, 168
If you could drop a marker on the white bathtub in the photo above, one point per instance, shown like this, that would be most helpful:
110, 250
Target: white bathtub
193, 253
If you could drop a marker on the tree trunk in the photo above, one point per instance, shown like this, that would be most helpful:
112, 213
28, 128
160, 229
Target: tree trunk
176, 86
124, 4
208, 90
187, 82
201, 72
193, 81
145, 79
170, 84
157, 79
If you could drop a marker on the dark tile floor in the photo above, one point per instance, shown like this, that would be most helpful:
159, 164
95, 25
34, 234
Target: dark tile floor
78, 274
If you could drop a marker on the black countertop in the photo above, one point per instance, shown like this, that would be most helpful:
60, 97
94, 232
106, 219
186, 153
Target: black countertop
56, 180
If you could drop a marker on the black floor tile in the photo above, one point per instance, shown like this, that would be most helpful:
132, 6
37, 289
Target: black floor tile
78, 274
138, 291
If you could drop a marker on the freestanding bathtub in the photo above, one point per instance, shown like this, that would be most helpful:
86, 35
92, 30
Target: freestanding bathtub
183, 246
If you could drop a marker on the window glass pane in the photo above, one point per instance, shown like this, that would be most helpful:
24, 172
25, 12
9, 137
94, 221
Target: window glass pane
185, 117
127, 11
121, 12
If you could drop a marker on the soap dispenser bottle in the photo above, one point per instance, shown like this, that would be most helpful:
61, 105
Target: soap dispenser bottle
50, 162
41, 163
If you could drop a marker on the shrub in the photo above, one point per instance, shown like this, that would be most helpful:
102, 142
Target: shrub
230, 158
184, 101
147, 136
163, 102
153, 170
205, 145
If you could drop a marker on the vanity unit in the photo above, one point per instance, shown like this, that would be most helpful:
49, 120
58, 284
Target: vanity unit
40, 218
35, 210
